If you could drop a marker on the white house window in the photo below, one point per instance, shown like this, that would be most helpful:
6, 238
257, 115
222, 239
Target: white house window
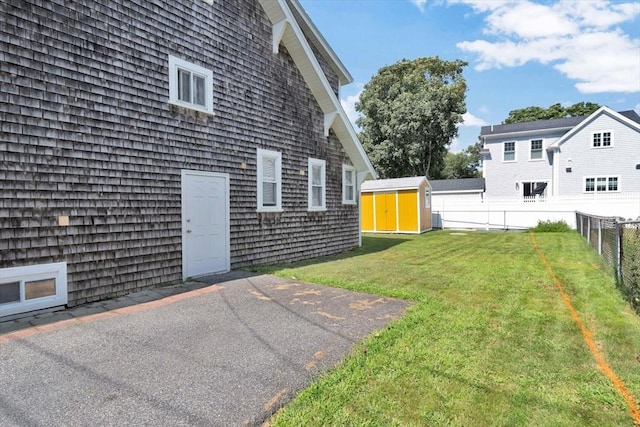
427, 198
269, 180
602, 139
190, 85
536, 149
348, 185
601, 184
317, 184
509, 152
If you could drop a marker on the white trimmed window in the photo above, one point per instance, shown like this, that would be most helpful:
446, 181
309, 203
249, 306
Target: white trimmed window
509, 152
600, 184
32, 287
190, 85
536, 149
602, 139
348, 185
317, 185
427, 197
269, 177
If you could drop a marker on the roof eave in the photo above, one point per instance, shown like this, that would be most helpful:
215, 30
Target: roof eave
310, 29
526, 133
287, 31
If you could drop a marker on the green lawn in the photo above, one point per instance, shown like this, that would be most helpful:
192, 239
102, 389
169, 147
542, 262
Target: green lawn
488, 341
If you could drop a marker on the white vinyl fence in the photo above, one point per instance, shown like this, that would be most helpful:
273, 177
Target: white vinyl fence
516, 214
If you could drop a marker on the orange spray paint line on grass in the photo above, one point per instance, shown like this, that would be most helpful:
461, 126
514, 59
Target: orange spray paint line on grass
619, 385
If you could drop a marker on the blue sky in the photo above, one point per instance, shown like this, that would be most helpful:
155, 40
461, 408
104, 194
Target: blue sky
520, 52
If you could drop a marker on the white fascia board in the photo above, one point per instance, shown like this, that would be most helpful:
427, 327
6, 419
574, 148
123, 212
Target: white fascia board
539, 132
288, 32
600, 111
314, 34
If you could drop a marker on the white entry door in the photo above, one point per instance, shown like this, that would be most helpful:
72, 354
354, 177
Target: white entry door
205, 223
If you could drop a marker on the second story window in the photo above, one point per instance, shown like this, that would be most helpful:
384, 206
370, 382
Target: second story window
509, 152
602, 139
536, 149
190, 85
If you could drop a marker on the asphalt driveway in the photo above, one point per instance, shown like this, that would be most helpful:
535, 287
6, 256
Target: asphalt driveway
228, 353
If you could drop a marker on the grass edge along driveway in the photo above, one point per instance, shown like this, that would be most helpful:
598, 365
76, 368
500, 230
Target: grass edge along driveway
489, 340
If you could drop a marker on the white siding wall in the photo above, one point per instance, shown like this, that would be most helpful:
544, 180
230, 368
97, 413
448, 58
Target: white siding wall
618, 160
501, 177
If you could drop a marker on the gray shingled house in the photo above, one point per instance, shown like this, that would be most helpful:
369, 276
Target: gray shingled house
147, 141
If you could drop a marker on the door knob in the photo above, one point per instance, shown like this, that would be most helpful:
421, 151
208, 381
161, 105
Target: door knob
188, 231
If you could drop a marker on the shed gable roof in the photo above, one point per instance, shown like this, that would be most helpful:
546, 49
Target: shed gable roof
288, 30
394, 183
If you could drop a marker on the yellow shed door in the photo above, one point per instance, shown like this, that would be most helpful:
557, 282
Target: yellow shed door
408, 211
366, 212
385, 212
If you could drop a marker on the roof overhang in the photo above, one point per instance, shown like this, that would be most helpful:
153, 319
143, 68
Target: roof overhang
288, 32
600, 111
526, 133
395, 184
313, 34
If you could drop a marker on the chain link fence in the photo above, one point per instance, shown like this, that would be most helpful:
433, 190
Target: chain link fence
618, 242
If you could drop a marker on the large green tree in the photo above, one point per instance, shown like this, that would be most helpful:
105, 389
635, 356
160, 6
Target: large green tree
409, 115
555, 111
464, 164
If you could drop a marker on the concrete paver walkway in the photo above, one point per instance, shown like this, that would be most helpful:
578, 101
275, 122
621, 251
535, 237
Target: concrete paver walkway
228, 352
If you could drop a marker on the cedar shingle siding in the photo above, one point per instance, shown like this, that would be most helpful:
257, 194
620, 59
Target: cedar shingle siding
87, 132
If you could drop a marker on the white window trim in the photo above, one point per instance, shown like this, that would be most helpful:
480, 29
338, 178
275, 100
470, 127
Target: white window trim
174, 64
601, 132
57, 271
260, 154
531, 159
323, 179
345, 170
537, 181
515, 152
595, 184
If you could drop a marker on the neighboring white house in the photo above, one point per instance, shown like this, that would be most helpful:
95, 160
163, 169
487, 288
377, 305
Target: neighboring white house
573, 156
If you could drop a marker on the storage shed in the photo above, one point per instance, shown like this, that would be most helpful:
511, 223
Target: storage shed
398, 205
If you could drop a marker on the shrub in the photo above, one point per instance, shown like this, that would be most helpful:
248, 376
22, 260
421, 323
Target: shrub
551, 227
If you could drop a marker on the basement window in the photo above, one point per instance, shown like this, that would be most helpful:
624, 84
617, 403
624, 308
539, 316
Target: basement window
33, 287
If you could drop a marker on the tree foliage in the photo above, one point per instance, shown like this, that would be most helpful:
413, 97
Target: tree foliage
555, 111
409, 115
464, 164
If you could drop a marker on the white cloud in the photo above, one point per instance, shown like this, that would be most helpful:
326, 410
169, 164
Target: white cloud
419, 4
469, 120
579, 38
349, 107
637, 108
455, 146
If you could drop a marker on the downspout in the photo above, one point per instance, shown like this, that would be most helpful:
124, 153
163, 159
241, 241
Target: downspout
360, 178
